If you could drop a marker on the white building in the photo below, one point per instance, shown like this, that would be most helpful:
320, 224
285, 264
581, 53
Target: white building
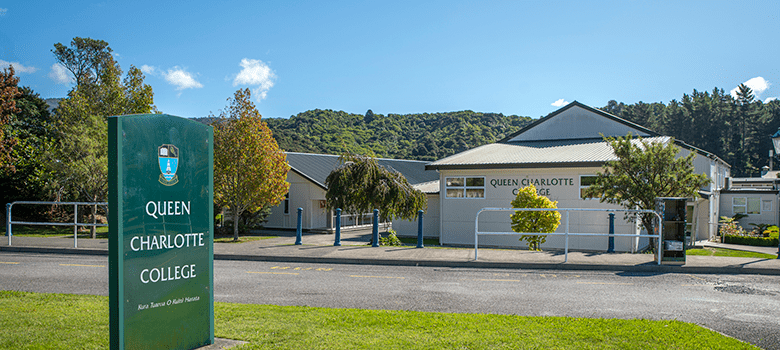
757, 198
559, 154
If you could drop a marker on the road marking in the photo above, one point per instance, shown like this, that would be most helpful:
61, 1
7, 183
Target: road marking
358, 276
9, 263
79, 265
497, 280
274, 273
301, 268
698, 278
625, 284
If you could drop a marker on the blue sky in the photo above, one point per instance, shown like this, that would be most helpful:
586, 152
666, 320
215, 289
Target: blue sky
514, 57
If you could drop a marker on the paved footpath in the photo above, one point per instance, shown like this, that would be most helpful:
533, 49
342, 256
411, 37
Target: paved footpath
319, 248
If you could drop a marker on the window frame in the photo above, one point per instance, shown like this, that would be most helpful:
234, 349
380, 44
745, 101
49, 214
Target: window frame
585, 187
746, 205
463, 187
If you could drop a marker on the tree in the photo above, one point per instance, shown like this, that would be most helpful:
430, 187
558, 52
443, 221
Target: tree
9, 91
31, 127
78, 162
360, 185
643, 172
85, 59
534, 221
250, 171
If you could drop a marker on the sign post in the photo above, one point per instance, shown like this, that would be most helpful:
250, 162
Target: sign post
161, 250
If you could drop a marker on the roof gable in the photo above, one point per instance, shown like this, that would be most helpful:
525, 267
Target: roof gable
578, 121
317, 167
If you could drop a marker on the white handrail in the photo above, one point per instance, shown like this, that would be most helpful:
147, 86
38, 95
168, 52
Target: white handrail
566, 233
75, 222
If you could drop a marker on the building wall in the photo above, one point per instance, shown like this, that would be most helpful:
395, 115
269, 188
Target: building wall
430, 221
768, 207
559, 184
303, 194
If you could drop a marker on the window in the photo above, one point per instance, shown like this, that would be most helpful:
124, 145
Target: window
689, 221
742, 205
465, 187
287, 203
585, 182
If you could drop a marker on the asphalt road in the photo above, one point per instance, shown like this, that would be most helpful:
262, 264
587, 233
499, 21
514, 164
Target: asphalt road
746, 307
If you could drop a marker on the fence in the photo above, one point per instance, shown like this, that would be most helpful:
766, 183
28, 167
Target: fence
566, 232
75, 223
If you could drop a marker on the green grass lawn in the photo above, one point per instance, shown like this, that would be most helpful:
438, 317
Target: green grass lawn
708, 251
66, 321
426, 241
241, 239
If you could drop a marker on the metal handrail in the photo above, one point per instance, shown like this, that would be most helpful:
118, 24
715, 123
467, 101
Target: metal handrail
75, 222
566, 233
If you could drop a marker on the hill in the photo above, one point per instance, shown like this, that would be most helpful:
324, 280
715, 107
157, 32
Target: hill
426, 136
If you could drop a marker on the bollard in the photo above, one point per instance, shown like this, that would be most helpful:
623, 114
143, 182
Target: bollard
337, 242
298, 232
611, 246
420, 229
8, 222
375, 232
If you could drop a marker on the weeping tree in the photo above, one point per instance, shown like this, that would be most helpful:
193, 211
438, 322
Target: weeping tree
360, 185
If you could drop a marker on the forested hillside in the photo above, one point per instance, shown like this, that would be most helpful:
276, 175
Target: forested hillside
738, 130
401, 136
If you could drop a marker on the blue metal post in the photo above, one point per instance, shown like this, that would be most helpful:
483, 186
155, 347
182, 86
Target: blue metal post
8, 219
8, 222
298, 231
375, 233
337, 242
611, 246
420, 229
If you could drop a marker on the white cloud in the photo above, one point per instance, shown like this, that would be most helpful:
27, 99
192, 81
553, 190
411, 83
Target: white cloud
757, 84
18, 67
770, 99
150, 70
255, 72
181, 79
559, 103
3, 12
60, 74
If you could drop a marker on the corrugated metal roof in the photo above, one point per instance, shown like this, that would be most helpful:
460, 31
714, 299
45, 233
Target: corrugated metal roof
428, 187
317, 167
533, 153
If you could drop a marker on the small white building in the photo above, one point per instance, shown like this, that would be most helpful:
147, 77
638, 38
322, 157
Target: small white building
307, 191
755, 197
559, 154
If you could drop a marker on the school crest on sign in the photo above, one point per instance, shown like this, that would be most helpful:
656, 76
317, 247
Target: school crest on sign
168, 156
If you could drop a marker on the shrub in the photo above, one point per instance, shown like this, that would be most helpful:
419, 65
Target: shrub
390, 240
729, 227
754, 241
534, 221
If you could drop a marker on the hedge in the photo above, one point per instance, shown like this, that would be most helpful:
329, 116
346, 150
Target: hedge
754, 241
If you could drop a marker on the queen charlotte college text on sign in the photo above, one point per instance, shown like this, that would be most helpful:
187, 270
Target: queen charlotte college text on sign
160, 232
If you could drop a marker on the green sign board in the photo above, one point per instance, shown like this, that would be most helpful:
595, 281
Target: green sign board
161, 250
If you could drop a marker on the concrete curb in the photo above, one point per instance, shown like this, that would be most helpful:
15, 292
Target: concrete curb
643, 268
